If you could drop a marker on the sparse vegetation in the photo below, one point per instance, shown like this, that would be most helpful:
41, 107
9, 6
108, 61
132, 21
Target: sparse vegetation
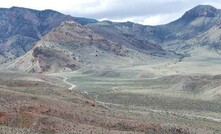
124, 77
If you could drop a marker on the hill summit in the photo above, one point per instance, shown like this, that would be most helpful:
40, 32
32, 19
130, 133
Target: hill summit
201, 11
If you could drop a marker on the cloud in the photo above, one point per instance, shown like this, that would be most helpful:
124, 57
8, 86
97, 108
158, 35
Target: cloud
140, 11
152, 20
146, 12
159, 19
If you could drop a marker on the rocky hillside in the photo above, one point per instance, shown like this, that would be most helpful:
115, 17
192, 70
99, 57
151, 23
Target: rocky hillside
59, 50
198, 26
21, 27
194, 22
72, 45
135, 36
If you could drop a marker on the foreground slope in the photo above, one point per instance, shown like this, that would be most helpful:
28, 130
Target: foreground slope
40, 104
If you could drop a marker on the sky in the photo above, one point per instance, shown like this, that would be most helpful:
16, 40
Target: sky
146, 12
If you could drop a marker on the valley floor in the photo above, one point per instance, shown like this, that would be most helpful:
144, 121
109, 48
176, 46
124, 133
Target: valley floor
134, 99
189, 101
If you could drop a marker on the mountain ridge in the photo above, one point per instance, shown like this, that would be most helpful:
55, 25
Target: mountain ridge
21, 27
176, 40
56, 51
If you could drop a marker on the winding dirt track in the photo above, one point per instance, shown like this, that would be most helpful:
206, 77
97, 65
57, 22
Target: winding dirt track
72, 86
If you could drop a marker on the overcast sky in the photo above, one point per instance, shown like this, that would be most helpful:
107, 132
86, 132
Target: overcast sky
148, 12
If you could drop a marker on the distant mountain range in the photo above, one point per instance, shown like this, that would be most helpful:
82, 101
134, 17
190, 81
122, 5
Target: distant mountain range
21, 27
48, 41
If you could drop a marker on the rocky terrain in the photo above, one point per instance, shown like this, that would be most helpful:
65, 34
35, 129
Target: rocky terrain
124, 77
171, 41
57, 51
21, 27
